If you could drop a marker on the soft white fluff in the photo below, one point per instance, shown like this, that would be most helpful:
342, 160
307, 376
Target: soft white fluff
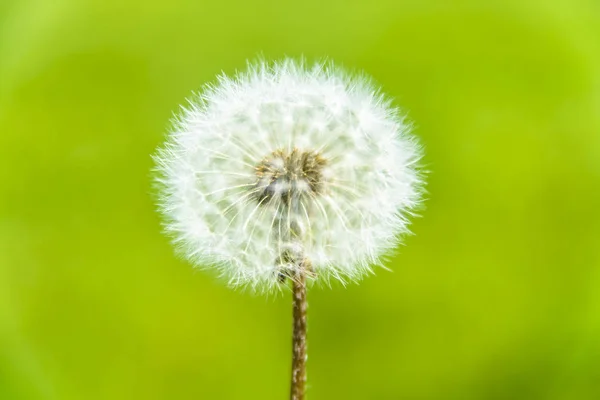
206, 172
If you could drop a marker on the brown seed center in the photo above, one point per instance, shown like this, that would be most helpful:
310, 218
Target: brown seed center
289, 175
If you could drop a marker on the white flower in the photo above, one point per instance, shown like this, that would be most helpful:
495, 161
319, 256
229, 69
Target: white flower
287, 162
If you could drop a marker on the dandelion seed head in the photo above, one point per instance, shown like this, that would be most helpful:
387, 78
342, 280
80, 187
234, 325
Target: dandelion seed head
288, 161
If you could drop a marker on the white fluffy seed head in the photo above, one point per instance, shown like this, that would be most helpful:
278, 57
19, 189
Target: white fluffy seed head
287, 162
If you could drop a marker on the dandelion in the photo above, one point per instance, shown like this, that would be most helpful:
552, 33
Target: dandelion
289, 172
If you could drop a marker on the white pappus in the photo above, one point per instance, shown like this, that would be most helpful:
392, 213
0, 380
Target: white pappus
288, 162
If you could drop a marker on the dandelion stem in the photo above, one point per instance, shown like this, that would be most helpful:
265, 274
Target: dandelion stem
300, 306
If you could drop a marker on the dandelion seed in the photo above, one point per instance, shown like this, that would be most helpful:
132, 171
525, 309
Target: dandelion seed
288, 156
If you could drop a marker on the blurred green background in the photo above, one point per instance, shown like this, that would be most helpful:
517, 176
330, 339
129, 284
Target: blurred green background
497, 296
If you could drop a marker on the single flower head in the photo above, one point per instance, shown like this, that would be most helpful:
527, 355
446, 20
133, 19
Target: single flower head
287, 165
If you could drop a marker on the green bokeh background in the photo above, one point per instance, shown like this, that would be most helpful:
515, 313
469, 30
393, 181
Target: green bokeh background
496, 296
